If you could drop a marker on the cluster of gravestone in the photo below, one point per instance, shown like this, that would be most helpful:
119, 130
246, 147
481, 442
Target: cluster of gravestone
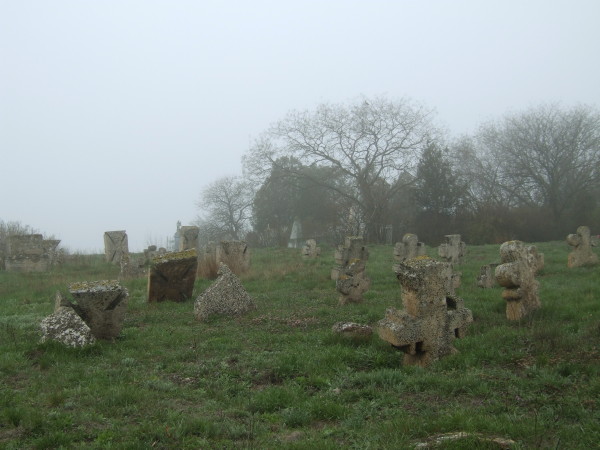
30, 253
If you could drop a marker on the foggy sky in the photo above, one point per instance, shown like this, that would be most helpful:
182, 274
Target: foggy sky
115, 114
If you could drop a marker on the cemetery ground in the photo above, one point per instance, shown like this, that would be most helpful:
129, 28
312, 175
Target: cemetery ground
278, 377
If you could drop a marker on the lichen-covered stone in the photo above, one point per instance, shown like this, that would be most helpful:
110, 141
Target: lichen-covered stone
453, 250
310, 249
431, 318
226, 296
486, 278
410, 247
65, 326
115, 245
172, 276
352, 329
582, 254
188, 237
353, 283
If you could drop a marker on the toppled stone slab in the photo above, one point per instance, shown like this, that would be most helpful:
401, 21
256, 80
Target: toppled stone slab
30, 253
352, 251
226, 296
102, 306
517, 275
310, 249
486, 278
453, 250
172, 276
188, 237
582, 254
431, 318
65, 326
115, 245
352, 329
235, 255
410, 247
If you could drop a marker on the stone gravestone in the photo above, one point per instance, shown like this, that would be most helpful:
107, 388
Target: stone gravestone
235, 255
310, 249
352, 283
431, 319
207, 261
582, 254
353, 249
453, 250
188, 238
516, 273
115, 245
30, 253
102, 306
226, 296
65, 326
172, 275
410, 247
486, 278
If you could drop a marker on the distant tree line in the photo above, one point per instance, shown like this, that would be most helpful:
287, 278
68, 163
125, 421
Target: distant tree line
377, 166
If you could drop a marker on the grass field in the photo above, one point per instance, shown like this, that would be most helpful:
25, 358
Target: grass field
277, 377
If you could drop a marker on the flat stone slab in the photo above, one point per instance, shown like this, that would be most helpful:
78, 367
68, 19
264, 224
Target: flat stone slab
65, 326
172, 276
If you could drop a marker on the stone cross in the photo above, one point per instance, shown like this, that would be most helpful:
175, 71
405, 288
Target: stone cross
486, 277
352, 283
410, 247
188, 237
453, 249
172, 276
431, 319
310, 249
352, 250
582, 254
516, 273
101, 305
115, 245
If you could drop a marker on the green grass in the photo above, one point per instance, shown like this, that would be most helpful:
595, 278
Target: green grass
278, 378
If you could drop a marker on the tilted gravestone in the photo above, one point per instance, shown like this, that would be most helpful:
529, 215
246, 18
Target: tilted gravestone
30, 253
431, 319
235, 255
172, 275
310, 249
516, 273
102, 306
352, 250
582, 254
486, 278
226, 296
115, 245
188, 237
453, 250
410, 247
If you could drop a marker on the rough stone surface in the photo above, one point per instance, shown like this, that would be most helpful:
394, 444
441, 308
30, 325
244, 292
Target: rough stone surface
30, 253
352, 329
582, 254
188, 238
517, 275
410, 247
226, 296
352, 250
115, 245
102, 306
453, 250
172, 275
486, 278
235, 255
310, 249
207, 261
131, 269
65, 326
431, 319
349, 273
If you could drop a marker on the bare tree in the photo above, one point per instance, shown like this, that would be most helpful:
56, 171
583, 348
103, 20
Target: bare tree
370, 143
228, 205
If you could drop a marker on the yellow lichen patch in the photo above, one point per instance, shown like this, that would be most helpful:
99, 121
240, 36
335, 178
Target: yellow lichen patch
171, 256
94, 285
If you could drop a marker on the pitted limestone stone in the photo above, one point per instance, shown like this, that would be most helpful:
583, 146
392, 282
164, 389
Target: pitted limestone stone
516, 273
582, 254
453, 250
431, 319
486, 278
188, 237
352, 329
352, 250
115, 245
410, 247
102, 306
30, 253
235, 255
352, 283
310, 249
172, 275
66, 327
226, 296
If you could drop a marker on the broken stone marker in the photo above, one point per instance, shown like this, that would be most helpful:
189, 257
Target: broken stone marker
517, 275
310, 249
582, 254
226, 296
235, 255
188, 238
172, 275
30, 253
410, 247
102, 306
453, 250
353, 250
486, 278
352, 283
115, 246
431, 319
65, 326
